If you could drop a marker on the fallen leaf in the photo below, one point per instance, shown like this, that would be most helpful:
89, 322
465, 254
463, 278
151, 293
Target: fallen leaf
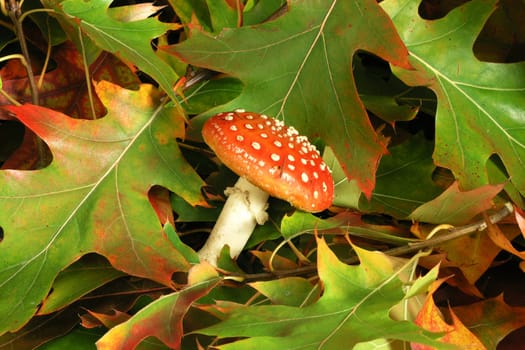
456, 207
430, 317
472, 122
163, 317
93, 197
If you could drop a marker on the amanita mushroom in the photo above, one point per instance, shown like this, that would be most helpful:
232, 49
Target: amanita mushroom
271, 159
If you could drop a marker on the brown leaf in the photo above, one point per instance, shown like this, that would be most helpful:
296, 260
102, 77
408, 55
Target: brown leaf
491, 320
501, 240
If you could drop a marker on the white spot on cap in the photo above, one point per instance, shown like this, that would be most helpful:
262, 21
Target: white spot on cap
291, 167
304, 161
248, 126
275, 157
261, 163
228, 117
304, 177
239, 138
249, 116
264, 135
316, 194
291, 158
291, 145
316, 175
256, 145
325, 188
278, 143
234, 128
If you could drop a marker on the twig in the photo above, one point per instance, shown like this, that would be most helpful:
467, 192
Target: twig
14, 13
451, 234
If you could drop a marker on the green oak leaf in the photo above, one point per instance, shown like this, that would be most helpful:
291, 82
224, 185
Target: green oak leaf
354, 308
481, 105
404, 180
129, 40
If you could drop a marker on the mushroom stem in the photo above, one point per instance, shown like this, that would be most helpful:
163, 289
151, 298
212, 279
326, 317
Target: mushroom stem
245, 207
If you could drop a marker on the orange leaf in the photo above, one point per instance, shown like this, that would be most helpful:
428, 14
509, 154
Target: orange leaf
431, 318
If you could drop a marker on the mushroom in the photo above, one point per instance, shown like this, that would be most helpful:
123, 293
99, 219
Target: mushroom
271, 159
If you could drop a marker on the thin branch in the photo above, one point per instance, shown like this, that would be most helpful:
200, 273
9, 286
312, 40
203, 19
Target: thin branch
449, 235
14, 12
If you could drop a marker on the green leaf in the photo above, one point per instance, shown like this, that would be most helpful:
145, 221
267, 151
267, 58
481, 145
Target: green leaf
261, 11
404, 181
189, 254
186, 9
210, 94
78, 339
291, 291
301, 222
480, 104
457, 207
77, 280
93, 197
130, 41
353, 308
298, 68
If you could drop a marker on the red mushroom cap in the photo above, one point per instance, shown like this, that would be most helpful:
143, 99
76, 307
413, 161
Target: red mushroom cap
272, 156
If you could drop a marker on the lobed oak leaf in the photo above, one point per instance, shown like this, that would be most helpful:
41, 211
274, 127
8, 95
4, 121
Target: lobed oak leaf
93, 197
129, 38
353, 308
298, 68
480, 104
163, 317
455, 206
457, 333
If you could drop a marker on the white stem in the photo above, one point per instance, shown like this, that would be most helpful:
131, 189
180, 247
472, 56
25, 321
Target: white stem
245, 207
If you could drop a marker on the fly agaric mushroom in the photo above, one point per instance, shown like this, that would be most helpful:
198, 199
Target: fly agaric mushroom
271, 159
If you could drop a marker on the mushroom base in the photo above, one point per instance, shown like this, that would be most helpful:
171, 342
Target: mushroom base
245, 207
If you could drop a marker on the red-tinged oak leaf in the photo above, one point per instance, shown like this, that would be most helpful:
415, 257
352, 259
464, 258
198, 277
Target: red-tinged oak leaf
457, 207
491, 320
64, 89
163, 317
430, 318
480, 104
298, 68
93, 197
354, 308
